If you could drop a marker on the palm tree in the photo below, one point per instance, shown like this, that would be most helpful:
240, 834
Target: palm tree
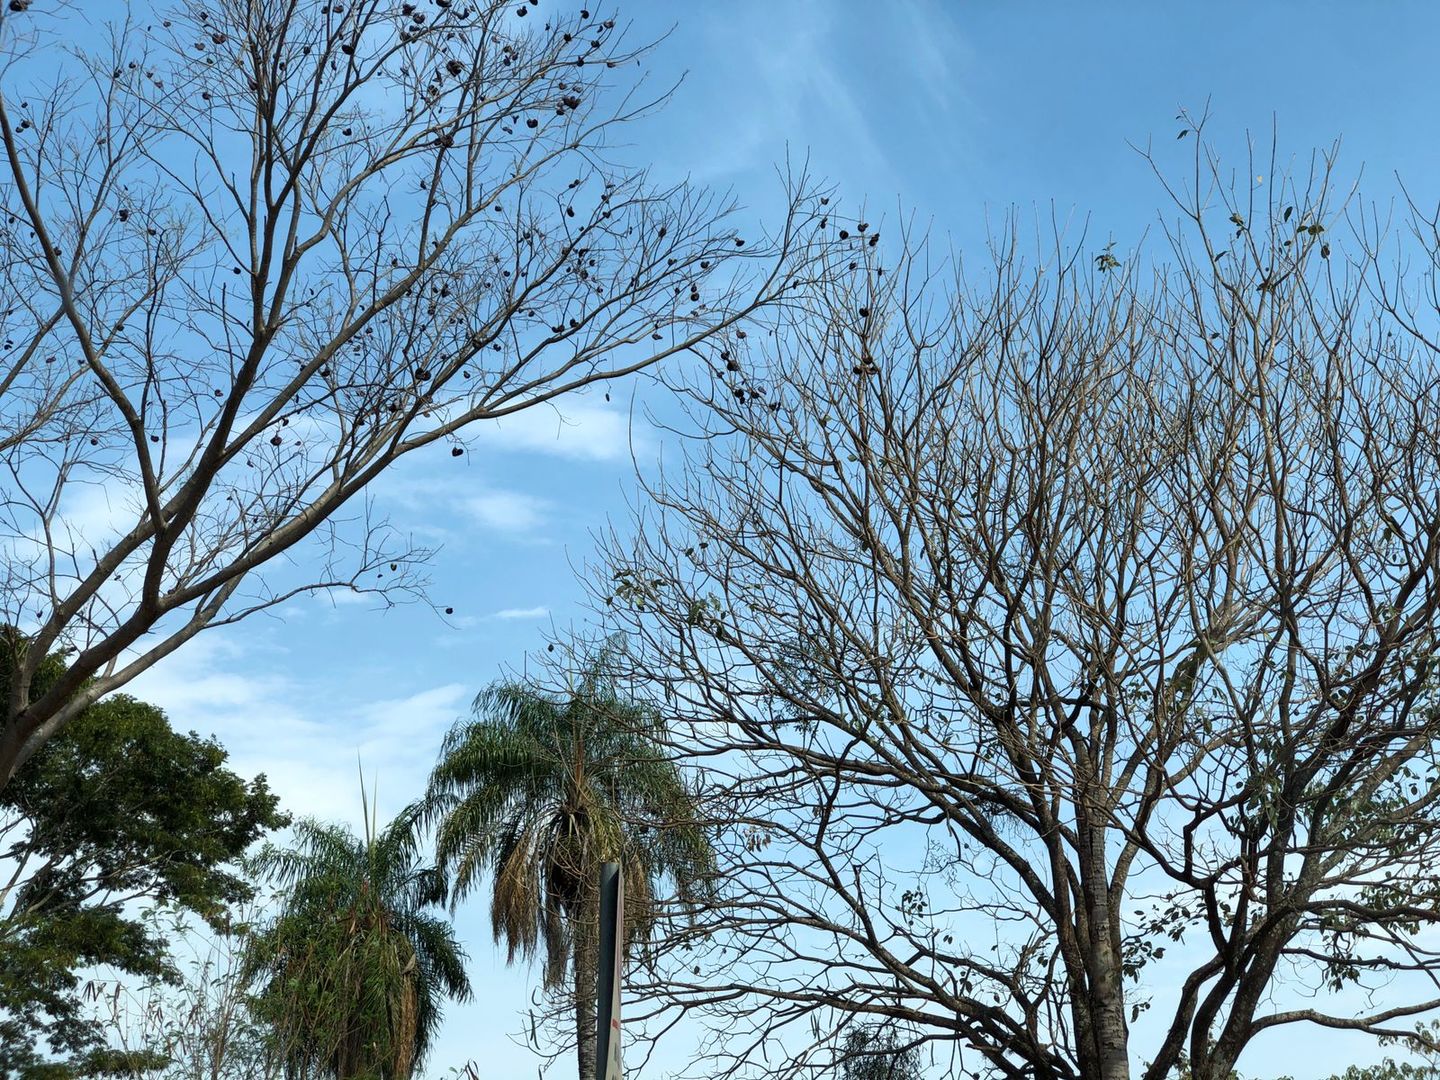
351, 973
539, 791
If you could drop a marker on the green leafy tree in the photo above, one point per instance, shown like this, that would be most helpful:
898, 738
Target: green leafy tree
540, 790
1390, 1069
1424, 1041
352, 971
116, 814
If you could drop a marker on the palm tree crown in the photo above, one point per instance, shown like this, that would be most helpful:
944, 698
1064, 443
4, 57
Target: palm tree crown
352, 971
538, 791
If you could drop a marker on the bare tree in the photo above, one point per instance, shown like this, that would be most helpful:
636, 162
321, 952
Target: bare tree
256, 251
1031, 622
198, 1025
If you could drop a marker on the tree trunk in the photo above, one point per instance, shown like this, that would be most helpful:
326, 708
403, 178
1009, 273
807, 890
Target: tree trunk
1112, 1034
1106, 1007
585, 1001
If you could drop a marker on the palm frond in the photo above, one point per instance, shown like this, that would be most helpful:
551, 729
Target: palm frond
538, 790
559, 945
353, 968
516, 902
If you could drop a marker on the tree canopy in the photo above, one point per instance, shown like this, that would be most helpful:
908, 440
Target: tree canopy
351, 974
876, 1052
1061, 636
538, 790
118, 813
255, 252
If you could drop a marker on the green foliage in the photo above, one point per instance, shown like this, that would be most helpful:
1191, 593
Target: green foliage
543, 790
1389, 1069
352, 971
1425, 1042
116, 813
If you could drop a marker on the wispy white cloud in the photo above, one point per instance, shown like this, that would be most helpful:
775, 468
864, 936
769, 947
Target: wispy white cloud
452, 510
89, 518
347, 598
522, 613
303, 736
788, 88
577, 428
830, 83
941, 57
504, 511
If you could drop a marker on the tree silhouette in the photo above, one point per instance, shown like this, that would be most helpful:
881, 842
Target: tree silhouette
254, 252
118, 816
1088, 637
875, 1052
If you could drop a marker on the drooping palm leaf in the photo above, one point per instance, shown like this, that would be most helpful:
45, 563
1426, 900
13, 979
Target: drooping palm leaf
535, 791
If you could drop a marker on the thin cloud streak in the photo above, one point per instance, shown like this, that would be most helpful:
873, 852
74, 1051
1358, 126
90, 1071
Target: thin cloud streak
522, 613
573, 428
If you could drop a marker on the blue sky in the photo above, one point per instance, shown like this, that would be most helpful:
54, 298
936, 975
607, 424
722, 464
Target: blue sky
952, 112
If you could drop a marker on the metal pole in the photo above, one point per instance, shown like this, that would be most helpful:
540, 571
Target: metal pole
609, 974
